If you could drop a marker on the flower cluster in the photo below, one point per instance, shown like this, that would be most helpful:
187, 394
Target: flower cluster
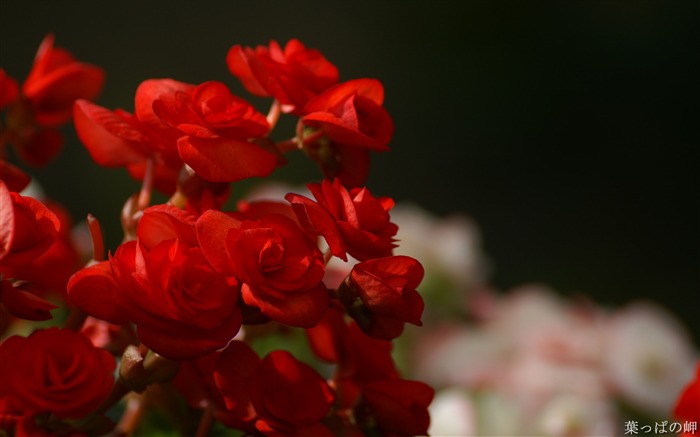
182, 300
529, 361
546, 366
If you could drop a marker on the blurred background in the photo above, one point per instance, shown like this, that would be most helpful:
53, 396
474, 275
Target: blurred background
567, 131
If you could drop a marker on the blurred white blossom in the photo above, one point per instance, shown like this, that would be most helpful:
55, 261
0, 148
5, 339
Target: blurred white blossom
648, 357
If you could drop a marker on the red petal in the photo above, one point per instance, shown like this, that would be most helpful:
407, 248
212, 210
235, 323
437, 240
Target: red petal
181, 343
53, 95
7, 220
9, 89
237, 62
303, 309
25, 305
94, 290
319, 220
225, 160
150, 90
165, 222
336, 129
110, 140
212, 228
371, 89
14, 177
42, 147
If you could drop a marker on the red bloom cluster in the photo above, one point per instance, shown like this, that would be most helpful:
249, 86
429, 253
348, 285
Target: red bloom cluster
163, 284
373, 395
194, 283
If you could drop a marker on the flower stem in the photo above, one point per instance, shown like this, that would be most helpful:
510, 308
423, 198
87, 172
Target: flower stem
132, 415
273, 114
146, 187
206, 421
98, 245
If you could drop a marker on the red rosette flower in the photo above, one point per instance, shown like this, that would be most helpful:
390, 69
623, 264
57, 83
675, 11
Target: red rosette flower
56, 80
120, 139
353, 222
380, 295
687, 407
279, 395
27, 228
351, 113
293, 76
55, 371
279, 266
162, 283
216, 127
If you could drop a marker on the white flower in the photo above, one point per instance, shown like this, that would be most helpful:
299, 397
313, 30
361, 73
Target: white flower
568, 415
447, 247
648, 357
452, 414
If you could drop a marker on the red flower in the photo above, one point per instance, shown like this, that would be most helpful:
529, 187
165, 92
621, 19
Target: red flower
351, 113
45, 101
381, 296
396, 406
55, 371
292, 76
162, 283
360, 358
56, 80
216, 127
9, 89
27, 228
279, 394
688, 405
118, 138
279, 266
350, 221
50, 271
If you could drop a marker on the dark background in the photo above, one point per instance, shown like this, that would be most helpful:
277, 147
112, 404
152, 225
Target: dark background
567, 130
